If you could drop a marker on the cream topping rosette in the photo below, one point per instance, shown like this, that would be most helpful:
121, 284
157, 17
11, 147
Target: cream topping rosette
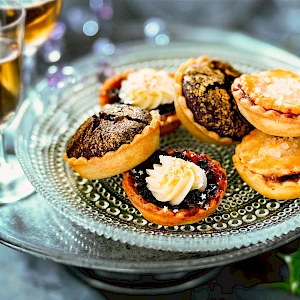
172, 179
147, 88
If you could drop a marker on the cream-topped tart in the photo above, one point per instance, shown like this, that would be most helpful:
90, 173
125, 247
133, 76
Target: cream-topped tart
176, 187
147, 88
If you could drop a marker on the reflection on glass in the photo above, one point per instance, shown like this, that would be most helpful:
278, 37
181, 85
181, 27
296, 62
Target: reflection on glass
41, 17
13, 183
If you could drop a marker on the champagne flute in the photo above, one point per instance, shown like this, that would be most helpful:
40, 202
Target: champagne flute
13, 184
41, 17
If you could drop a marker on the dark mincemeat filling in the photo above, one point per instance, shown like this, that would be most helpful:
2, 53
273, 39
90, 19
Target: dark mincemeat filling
194, 198
113, 95
280, 179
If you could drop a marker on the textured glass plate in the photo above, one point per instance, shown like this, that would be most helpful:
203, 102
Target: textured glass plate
50, 118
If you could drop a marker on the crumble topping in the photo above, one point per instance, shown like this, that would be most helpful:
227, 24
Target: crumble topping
207, 89
115, 126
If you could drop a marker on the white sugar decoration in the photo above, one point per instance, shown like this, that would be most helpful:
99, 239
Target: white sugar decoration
279, 100
286, 91
165, 209
273, 142
285, 145
276, 154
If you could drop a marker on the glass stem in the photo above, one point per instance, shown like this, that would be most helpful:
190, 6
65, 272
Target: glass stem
3, 158
29, 73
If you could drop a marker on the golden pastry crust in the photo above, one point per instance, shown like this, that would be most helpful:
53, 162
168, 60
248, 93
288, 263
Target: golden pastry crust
187, 117
126, 157
168, 217
169, 122
269, 164
270, 100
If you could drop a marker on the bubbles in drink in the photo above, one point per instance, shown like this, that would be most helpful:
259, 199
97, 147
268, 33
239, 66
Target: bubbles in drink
10, 81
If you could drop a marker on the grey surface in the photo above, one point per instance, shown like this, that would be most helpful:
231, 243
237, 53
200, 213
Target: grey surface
24, 277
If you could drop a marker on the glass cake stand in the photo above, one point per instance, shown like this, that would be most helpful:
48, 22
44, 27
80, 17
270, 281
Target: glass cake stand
92, 227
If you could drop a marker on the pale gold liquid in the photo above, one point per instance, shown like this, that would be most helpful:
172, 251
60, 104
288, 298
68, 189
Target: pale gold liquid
40, 20
10, 78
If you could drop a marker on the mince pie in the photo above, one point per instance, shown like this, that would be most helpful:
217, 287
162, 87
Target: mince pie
146, 88
270, 164
270, 100
115, 141
176, 187
204, 102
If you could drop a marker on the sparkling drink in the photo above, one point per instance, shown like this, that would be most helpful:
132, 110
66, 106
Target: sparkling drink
10, 78
13, 182
40, 20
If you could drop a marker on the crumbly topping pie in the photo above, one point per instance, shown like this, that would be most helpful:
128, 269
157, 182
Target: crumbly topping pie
205, 104
120, 138
115, 126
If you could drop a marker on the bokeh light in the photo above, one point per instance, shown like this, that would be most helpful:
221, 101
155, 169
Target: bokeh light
90, 28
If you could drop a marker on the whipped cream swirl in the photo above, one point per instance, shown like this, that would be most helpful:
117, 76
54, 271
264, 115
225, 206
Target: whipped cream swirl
147, 88
174, 178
